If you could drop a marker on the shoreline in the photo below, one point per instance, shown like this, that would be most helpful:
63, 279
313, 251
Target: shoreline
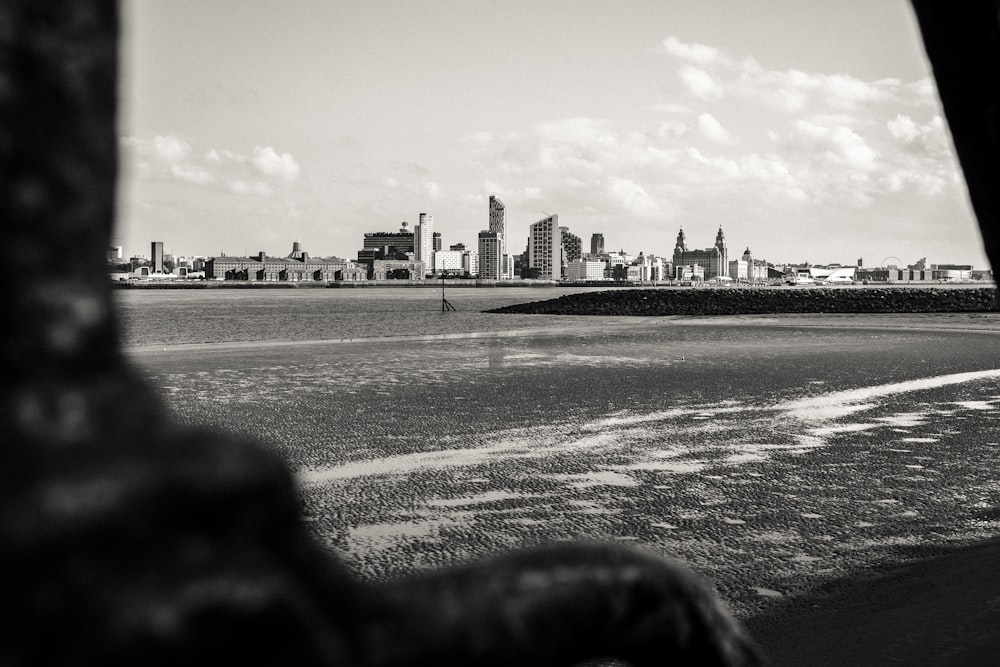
766, 301
969, 322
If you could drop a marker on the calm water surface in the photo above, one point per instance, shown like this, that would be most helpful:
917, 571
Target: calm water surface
174, 317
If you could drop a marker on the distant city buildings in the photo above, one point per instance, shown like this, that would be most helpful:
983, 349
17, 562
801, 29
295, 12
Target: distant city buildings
448, 261
597, 244
491, 255
297, 267
157, 256
585, 270
545, 249
710, 262
748, 269
571, 245
424, 248
498, 222
552, 253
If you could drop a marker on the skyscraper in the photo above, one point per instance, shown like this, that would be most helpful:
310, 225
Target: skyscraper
597, 244
490, 255
497, 222
156, 255
424, 241
545, 248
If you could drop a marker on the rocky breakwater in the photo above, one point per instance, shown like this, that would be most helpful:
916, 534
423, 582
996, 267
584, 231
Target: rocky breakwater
763, 300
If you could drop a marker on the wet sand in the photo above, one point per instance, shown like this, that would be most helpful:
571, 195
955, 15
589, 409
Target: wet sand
797, 461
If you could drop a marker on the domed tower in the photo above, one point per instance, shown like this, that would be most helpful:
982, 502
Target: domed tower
679, 249
681, 244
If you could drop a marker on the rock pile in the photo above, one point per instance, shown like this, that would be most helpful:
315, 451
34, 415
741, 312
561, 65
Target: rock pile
737, 301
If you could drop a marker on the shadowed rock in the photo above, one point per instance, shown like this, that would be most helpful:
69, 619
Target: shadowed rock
127, 539
763, 300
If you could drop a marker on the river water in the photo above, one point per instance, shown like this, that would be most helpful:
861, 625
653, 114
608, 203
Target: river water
767, 453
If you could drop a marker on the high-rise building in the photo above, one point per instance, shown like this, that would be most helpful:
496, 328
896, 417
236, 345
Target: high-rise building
498, 222
572, 245
156, 262
545, 248
470, 262
490, 255
424, 241
597, 244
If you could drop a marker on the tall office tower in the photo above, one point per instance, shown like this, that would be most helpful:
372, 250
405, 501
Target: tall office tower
424, 241
490, 255
597, 244
545, 248
497, 222
157, 256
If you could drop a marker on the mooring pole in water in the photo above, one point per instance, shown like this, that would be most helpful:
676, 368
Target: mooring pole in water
445, 306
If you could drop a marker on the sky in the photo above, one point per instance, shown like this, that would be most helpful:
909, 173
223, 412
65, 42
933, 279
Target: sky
809, 131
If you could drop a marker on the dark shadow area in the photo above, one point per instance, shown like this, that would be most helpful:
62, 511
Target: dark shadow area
941, 610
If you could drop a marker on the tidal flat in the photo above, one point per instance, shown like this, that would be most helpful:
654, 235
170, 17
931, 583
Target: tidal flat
771, 454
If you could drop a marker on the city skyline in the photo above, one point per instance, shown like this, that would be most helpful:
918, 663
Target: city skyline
810, 134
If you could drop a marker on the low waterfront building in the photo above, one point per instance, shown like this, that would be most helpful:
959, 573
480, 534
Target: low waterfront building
398, 269
298, 268
748, 269
448, 261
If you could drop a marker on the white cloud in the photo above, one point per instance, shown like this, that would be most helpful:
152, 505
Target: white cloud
254, 187
633, 197
838, 144
708, 74
269, 162
712, 129
191, 173
693, 52
167, 158
701, 84
671, 107
171, 149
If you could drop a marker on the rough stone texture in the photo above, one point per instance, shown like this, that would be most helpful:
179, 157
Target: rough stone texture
763, 300
126, 539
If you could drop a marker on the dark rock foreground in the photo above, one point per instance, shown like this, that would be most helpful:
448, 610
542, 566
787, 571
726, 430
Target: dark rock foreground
763, 300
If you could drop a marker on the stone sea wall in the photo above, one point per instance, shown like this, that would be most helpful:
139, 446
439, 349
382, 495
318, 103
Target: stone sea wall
763, 300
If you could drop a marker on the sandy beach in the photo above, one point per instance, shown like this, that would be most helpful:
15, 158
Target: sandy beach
832, 475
